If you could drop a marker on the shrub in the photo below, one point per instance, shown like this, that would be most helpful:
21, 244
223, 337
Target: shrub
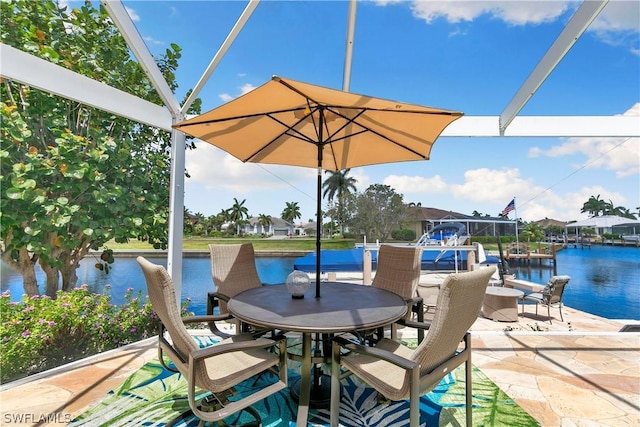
40, 333
405, 235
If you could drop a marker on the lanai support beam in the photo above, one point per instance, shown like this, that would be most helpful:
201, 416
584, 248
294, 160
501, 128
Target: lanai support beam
546, 126
19, 66
123, 21
586, 13
348, 54
129, 32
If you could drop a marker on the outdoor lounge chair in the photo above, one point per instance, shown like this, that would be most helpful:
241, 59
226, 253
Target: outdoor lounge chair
550, 295
233, 269
217, 368
398, 271
398, 372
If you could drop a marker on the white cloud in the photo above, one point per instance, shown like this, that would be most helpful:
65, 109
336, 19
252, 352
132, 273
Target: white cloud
489, 190
492, 185
573, 201
151, 40
225, 97
415, 184
247, 87
617, 24
511, 12
621, 155
362, 180
132, 14
633, 111
216, 169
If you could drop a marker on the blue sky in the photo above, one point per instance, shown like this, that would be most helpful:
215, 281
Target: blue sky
467, 56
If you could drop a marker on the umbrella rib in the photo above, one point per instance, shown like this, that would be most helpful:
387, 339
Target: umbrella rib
226, 119
368, 129
288, 129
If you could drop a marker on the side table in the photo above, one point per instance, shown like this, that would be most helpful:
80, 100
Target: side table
501, 304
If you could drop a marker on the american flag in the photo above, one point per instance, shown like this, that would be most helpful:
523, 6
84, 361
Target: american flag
511, 206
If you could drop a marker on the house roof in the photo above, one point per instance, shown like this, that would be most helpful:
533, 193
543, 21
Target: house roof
604, 221
275, 222
549, 222
429, 214
434, 214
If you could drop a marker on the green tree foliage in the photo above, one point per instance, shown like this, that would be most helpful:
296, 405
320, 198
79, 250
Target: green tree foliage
532, 233
40, 333
555, 230
238, 213
291, 212
339, 186
74, 177
596, 206
264, 221
379, 210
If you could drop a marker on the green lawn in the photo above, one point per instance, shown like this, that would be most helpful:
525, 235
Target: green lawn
197, 242
293, 244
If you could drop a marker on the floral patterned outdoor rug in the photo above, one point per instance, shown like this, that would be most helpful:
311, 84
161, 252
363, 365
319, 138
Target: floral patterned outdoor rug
153, 396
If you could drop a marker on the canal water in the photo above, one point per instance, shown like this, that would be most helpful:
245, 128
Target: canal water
605, 280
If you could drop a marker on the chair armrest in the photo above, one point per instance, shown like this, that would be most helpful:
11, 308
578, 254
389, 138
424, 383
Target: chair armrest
212, 303
204, 319
415, 324
414, 300
213, 295
214, 350
375, 352
415, 304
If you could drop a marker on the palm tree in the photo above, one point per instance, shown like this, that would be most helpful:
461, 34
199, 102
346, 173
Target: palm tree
532, 232
291, 212
339, 186
594, 206
237, 213
264, 220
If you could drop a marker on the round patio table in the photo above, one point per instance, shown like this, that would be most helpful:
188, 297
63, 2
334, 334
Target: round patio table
342, 307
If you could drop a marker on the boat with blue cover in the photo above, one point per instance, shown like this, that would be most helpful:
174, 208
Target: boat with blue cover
343, 260
441, 252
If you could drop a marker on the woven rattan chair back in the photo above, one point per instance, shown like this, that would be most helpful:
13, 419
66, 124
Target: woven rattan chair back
398, 270
233, 268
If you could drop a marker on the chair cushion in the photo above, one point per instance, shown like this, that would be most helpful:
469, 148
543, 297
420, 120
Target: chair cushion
387, 378
228, 369
535, 296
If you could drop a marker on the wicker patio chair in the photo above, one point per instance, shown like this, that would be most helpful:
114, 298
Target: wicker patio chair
398, 372
217, 368
550, 295
398, 271
233, 269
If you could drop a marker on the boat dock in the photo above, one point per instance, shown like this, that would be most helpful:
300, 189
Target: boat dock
522, 252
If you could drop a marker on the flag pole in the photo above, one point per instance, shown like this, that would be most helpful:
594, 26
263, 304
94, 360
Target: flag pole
515, 210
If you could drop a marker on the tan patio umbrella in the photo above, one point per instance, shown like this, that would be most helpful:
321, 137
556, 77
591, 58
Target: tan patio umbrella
287, 122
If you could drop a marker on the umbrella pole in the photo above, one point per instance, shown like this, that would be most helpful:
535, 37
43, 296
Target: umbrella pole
319, 202
318, 229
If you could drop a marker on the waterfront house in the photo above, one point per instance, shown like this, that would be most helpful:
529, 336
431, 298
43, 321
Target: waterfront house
277, 227
426, 218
